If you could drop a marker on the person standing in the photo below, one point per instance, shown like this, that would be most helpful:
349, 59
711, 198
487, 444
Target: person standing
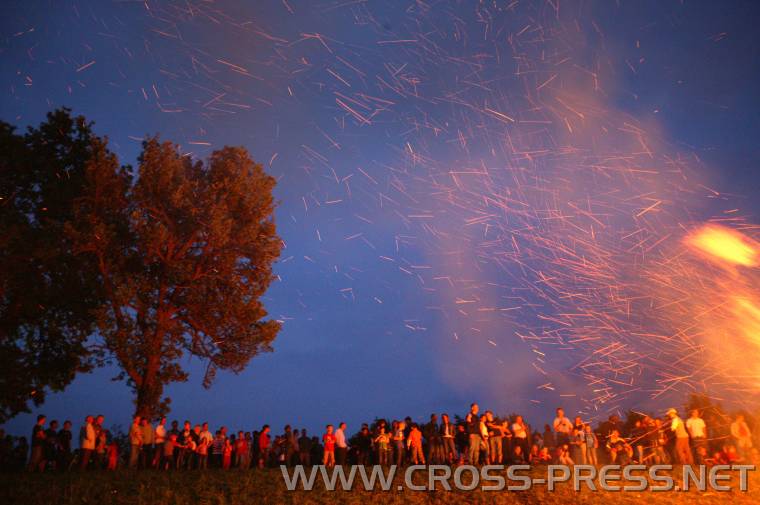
227, 453
398, 441
473, 432
562, 427
51, 445
414, 443
167, 451
520, 436
484, 445
382, 441
495, 438
264, 446
304, 448
678, 427
135, 442
742, 436
433, 437
217, 449
182, 444
591, 445
101, 446
201, 452
288, 444
659, 441
64, 445
148, 438
159, 437
101, 440
113, 456
341, 446
328, 439
364, 443
242, 451
448, 432
37, 454
86, 442
697, 430
578, 446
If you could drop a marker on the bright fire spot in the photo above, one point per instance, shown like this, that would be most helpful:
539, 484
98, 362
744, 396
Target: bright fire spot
725, 244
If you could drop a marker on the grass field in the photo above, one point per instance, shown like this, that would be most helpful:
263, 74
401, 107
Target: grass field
267, 486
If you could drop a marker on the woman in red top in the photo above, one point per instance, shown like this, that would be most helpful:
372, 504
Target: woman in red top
328, 439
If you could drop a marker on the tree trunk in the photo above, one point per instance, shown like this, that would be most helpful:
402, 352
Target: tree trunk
150, 390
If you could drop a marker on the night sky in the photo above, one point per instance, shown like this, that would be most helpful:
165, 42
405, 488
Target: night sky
431, 158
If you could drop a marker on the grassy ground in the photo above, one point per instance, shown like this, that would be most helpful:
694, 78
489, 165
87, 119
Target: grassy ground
256, 487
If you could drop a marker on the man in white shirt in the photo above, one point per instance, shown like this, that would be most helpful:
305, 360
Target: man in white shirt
159, 439
206, 434
520, 439
563, 427
341, 447
697, 429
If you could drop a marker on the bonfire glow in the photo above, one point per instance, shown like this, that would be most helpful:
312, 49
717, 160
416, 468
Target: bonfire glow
724, 244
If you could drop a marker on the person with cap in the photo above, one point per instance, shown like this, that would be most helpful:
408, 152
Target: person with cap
678, 427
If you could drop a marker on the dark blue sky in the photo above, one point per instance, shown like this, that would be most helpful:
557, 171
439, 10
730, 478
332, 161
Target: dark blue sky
402, 290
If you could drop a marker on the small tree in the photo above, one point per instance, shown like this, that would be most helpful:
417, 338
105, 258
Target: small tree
183, 250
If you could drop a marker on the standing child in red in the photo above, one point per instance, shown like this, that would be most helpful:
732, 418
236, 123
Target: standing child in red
113, 455
414, 442
328, 439
227, 455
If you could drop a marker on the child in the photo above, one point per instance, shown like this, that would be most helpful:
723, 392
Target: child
202, 451
383, 446
620, 451
544, 456
414, 442
328, 439
578, 446
168, 450
702, 457
591, 444
190, 447
518, 458
730, 455
113, 455
227, 455
563, 455
535, 454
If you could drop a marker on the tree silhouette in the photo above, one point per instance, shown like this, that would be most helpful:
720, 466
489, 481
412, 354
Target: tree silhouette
47, 293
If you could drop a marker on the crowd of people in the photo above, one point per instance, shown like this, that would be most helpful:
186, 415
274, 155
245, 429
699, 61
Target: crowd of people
477, 438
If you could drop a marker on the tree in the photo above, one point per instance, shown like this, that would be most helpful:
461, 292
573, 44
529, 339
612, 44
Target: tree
183, 251
47, 293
